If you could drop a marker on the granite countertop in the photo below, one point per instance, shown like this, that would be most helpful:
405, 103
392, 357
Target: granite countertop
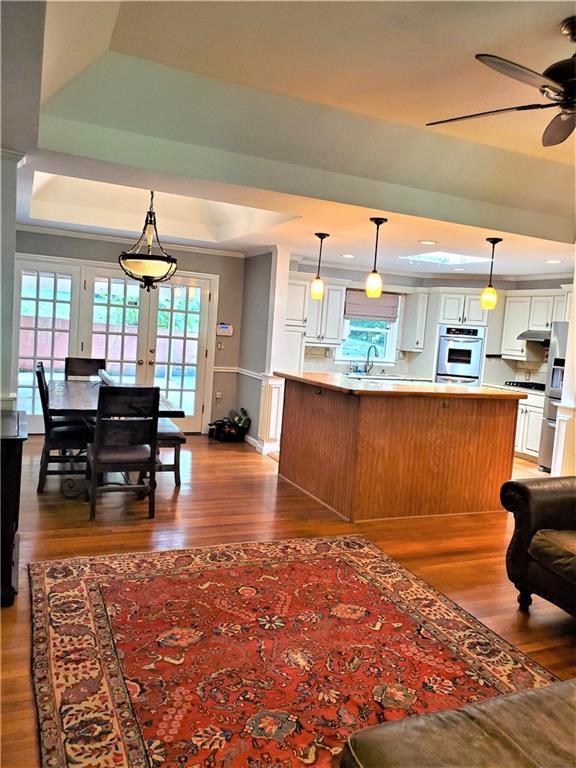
342, 383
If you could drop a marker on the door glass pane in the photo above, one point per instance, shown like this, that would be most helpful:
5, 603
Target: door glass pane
178, 328
44, 331
115, 318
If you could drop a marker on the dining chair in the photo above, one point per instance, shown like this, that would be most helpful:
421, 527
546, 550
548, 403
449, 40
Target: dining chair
170, 436
67, 436
124, 441
83, 366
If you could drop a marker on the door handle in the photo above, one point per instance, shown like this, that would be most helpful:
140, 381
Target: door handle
150, 362
140, 362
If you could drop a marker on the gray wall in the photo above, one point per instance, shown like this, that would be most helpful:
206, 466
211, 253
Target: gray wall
229, 269
254, 338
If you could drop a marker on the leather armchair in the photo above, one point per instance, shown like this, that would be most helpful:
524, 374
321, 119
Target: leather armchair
541, 557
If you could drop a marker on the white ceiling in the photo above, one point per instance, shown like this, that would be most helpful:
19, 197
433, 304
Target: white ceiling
239, 222
402, 62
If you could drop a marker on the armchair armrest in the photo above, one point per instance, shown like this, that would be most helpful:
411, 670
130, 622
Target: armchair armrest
547, 502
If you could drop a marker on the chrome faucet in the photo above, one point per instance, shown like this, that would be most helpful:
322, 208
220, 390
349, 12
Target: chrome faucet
368, 367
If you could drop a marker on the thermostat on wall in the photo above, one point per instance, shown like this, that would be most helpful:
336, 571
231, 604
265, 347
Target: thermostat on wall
224, 329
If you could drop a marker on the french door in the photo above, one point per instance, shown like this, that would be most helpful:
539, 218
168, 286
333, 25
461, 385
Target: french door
46, 310
155, 339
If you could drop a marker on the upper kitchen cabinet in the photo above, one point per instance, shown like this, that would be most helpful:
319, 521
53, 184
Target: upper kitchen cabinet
568, 305
325, 324
559, 312
462, 309
414, 322
297, 302
541, 313
516, 319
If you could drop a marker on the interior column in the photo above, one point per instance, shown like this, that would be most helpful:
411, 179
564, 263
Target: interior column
10, 161
564, 455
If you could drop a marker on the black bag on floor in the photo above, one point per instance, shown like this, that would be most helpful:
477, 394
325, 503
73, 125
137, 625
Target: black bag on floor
232, 428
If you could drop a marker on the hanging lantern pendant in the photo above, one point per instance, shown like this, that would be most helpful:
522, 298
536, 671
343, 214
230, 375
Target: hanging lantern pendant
489, 296
148, 268
317, 285
373, 280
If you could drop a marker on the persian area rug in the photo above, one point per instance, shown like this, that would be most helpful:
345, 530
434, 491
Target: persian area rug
260, 655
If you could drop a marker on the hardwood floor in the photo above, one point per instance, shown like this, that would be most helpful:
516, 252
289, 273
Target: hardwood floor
231, 493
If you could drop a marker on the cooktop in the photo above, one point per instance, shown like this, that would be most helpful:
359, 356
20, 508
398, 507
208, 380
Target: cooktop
535, 385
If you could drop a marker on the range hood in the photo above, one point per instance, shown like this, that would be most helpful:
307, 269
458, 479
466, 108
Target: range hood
542, 336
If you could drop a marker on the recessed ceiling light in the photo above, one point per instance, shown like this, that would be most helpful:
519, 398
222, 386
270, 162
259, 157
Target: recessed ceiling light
428, 242
458, 269
443, 258
348, 256
553, 261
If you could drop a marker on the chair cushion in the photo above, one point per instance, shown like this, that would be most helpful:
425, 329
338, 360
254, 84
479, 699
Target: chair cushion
555, 550
168, 432
71, 436
121, 454
532, 729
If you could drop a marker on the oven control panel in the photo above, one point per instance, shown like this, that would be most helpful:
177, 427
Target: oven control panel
461, 331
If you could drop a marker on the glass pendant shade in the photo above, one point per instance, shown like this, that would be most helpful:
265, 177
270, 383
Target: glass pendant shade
373, 280
317, 285
317, 289
148, 268
373, 285
489, 296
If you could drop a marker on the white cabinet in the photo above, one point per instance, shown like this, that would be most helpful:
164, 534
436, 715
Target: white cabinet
473, 312
325, 324
528, 428
452, 309
541, 312
462, 309
559, 312
297, 302
414, 322
293, 351
516, 318
568, 305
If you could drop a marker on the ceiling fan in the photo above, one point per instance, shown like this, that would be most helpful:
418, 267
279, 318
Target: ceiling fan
557, 83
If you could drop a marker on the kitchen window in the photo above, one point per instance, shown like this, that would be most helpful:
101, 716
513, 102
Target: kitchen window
360, 333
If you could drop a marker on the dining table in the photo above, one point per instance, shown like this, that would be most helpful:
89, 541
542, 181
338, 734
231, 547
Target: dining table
79, 399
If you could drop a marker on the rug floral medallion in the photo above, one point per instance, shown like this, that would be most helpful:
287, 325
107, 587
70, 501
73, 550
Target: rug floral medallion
259, 655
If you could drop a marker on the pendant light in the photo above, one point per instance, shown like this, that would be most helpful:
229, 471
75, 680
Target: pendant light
317, 285
489, 297
148, 268
374, 281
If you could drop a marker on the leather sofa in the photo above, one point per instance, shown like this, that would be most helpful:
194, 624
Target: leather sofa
532, 729
541, 557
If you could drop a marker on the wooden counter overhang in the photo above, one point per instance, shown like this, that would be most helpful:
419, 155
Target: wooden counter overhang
376, 449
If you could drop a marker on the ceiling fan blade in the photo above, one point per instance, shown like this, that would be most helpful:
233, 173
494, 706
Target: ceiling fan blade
521, 108
559, 128
518, 72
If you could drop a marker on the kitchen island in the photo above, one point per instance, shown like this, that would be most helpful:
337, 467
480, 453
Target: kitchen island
376, 449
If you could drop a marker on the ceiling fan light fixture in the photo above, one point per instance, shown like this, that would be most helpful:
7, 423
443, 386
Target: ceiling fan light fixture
489, 296
148, 268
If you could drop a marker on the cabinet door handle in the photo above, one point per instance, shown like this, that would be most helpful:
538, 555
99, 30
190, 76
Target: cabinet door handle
459, 319
464, 319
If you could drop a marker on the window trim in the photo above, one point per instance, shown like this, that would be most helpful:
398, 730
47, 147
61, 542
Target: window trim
393, 335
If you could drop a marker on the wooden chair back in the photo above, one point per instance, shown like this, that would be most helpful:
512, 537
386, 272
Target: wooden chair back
127, 416
43, 391
83, 366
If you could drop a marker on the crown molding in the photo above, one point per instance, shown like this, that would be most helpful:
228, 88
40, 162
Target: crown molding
119, 239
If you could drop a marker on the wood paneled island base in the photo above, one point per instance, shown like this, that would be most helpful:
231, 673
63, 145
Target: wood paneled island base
379, 450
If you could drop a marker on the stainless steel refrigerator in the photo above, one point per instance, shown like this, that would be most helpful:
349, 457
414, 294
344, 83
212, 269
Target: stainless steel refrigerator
553, 392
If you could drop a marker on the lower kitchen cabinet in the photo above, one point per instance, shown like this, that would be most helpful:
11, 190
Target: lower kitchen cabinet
528, 428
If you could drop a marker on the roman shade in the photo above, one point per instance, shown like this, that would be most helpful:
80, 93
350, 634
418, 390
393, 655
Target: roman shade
359, 307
